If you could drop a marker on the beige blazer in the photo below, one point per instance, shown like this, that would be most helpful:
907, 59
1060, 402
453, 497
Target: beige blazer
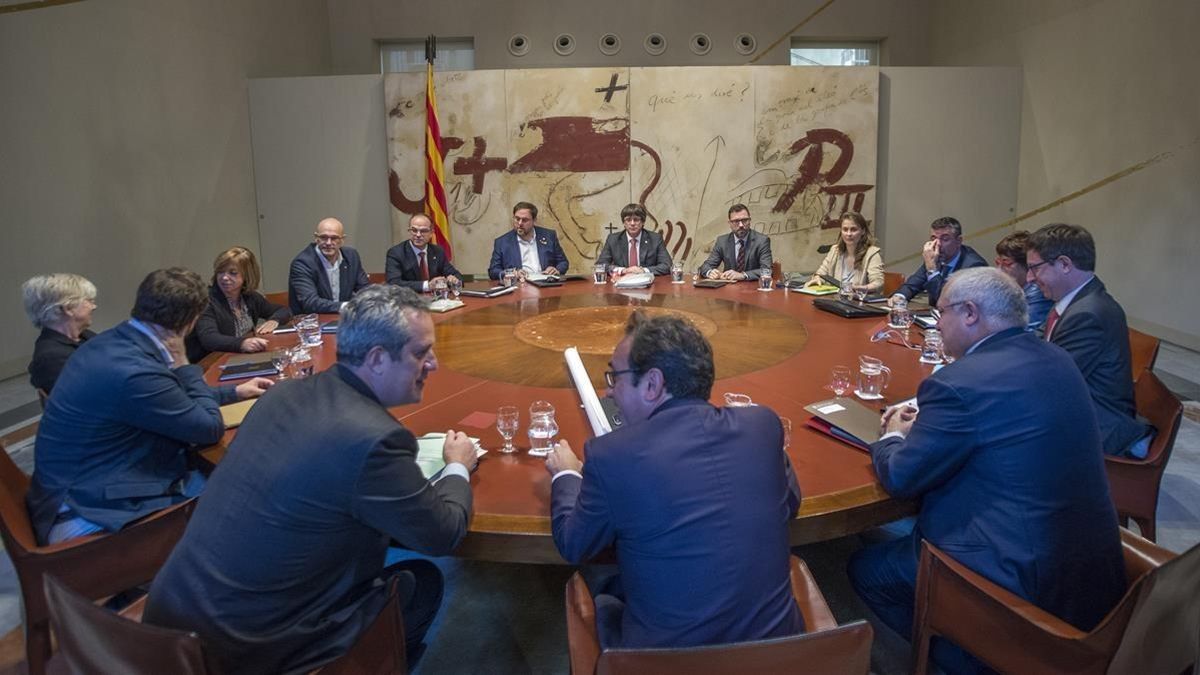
871, 277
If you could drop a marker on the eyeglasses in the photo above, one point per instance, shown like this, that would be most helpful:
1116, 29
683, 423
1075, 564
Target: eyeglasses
1033, 267
610, 376
329, 237
739, 221
937, 312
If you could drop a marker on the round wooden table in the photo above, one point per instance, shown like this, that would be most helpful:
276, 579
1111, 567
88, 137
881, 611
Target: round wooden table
774, 346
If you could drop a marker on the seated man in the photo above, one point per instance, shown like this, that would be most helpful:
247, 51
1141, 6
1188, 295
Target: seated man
644, 248
417, 263
1088, 323
113, 442
1005, 460
326, 274
1010, 259
695, 499
943, 255
743, 251
528, 247
282, 565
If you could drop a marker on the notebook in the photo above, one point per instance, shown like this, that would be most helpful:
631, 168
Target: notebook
849, 310
244, 370
492, 292
846, 420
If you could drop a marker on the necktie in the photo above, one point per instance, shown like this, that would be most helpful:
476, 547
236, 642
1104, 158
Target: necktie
633, 253
424, 267
1051, 319
741, 256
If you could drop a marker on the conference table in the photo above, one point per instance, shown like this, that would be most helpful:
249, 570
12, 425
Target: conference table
774, 346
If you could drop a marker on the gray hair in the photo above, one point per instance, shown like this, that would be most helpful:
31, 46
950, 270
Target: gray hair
1000, 300
48, 297
378, 315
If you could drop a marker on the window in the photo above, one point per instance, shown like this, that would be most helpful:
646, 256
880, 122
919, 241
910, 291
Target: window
808, 53
406, 56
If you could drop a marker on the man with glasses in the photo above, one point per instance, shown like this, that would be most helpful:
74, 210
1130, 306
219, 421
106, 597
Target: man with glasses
695, 499
743, 251
325, 275
943, 255
528, 247
1088, 323
1005, 462
636, 250
418, 263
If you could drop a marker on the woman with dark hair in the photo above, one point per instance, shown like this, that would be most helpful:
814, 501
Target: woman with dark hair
856, 262
61, 305
230, 322
1010, 258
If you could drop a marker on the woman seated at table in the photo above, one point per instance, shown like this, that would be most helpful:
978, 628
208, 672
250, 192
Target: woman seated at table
235, 306
61, 305
856, 261
1010, 258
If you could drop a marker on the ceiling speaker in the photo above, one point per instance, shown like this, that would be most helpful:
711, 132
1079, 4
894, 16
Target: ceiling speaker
564, 45
518, 45
700, 44
745, 44
655, 44
610, 44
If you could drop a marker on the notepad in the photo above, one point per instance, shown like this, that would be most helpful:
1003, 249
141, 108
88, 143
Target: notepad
234, 413
429, 454
245, 370
819, 289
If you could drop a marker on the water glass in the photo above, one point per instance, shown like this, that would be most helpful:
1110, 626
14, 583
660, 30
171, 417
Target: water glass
677, 273
455, 286
308, 329
839, 380
860, 293
931, 351
508, 420
281, 359
844, 292
899, 316
510, 277
542, 428
300, 363
733, 400
873, 377
441, 290
764, 279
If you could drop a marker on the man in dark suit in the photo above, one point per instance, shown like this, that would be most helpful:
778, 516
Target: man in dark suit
743, 251
113, 442
696, 500
326, 274
644, 248
1005, 459
1088, 323
943, 255
282, 565
418, 263
528, 247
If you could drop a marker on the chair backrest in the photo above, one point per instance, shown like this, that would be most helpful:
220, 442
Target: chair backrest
95, 640
277, 298
376, 277
15, 526
43, 396
1163, 410
1163, 632
1143, 352
846, 649
892, 281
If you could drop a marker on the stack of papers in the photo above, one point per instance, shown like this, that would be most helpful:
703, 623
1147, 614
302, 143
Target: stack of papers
429, 454
445, 305
640, 280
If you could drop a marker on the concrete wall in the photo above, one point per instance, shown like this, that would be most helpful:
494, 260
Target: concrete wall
1110, 85
125, 138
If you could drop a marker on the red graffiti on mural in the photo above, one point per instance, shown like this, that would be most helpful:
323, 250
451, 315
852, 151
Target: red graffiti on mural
396, 193
576, 144
478, 165
813, 148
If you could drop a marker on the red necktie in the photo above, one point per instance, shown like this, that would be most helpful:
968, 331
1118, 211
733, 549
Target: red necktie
741, 255
1051, 319
424, 267
633, 256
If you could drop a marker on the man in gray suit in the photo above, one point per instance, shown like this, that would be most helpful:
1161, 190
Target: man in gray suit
743, 251
282, 569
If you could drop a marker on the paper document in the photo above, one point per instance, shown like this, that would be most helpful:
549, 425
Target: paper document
429, 454
234, 413
587, 393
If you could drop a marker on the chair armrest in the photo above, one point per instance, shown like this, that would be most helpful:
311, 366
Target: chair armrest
814, 609
582, 642
1142, 555
380, 648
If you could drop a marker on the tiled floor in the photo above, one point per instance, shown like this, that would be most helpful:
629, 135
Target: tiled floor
506, 618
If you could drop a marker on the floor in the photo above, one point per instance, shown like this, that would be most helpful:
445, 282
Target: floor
508, 618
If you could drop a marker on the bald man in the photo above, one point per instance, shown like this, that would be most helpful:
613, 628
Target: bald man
326, 274
418, 263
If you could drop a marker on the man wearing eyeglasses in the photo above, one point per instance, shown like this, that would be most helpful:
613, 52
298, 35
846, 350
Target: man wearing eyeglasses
1004, 459
743, 251
418, 263
325, 275
943, 255
695, 499
1088, 323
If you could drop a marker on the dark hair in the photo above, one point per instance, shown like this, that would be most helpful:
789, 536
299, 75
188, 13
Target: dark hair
633, 210
737, 207
1014, 245
864, 242
947, 223
1059, 239
675, 347
378, 315
171, 298
526, 205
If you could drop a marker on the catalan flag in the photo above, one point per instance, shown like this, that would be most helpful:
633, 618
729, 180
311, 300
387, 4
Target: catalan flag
435, 175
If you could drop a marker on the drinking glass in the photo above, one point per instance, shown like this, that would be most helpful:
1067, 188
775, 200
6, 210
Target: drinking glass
308, 329
764, 279
873, 377
733, 400
455, 285
599, 273
508, 419
510, 277
677, 273
860, 293
441, 290
899, 316
839, 381
542, 428
844, 292
281, 359
301, 363
931, 350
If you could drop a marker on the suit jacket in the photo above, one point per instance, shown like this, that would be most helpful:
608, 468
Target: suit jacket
50, 354
308, 286
871, 276
506, 253
403, 269
652, 253
113, 439
1094, 333
279, 569
758, 254
697, 501
921, 281
1006, 459
216, 330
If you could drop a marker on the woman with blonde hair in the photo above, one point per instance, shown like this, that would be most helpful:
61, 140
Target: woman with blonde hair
237, 315
61, 305
856, 262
